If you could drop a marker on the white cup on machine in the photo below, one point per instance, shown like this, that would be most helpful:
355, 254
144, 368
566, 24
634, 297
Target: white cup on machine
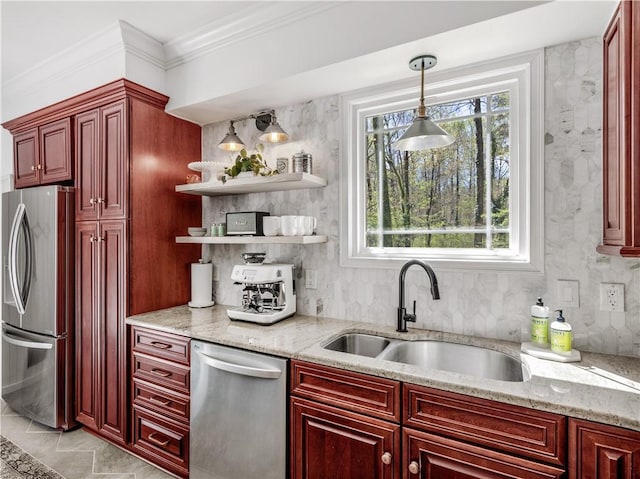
271, 225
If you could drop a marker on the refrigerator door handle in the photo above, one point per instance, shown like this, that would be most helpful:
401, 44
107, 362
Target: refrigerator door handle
10, 338
20, 221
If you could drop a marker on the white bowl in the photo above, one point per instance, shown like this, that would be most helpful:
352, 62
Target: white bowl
193, 231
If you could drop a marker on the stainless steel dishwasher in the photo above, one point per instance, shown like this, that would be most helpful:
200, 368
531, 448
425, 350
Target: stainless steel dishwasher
238, 414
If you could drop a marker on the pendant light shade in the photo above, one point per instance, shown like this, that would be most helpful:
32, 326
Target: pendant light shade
231, 142
423, 134
274, 132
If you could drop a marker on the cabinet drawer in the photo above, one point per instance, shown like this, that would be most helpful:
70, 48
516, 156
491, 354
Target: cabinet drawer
161, 400
161, 345
163, 442
352, 391
160, 372
534, 434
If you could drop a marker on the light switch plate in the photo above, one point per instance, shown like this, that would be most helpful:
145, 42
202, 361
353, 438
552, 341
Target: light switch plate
311, 279
568, 293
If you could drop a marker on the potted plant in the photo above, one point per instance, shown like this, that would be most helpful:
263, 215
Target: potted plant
249, 165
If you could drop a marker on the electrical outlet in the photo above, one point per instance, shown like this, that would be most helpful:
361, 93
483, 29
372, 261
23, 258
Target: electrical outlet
311, 279
612, 297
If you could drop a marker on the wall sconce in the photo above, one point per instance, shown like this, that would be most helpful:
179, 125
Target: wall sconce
265, 121
423, 133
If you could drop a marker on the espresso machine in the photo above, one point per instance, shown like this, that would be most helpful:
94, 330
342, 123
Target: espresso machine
268, 292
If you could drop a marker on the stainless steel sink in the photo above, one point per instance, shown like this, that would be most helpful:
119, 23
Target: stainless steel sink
457, 358
360, 344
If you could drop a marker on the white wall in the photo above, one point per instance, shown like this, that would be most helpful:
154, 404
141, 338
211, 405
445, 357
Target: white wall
492, 305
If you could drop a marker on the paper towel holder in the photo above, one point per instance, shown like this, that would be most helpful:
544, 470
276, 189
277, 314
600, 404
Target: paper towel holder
201, 285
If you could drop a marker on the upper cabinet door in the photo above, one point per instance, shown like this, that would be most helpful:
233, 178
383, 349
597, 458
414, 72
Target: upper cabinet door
55, 152
114, 181
621, 133
87, 164
102, 163
25, 158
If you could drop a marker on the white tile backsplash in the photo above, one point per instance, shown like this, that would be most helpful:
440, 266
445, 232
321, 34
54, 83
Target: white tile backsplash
492, 305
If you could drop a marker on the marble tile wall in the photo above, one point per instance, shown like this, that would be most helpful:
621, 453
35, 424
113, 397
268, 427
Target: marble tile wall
491, 305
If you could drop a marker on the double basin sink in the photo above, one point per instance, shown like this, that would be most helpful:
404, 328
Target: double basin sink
458, 358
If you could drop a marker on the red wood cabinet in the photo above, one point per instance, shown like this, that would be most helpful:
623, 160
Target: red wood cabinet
621, 133
130, 154
330, 442
161, 397
598, 451
102, 171
42, 155
100, 306
344, 425
429, 456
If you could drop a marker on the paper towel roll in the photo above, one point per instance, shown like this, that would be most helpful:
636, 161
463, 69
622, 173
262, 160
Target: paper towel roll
201, 276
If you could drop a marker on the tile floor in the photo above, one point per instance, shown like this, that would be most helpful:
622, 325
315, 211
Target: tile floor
75, 454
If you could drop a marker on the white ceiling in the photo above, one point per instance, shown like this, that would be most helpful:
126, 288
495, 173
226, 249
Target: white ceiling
338, 58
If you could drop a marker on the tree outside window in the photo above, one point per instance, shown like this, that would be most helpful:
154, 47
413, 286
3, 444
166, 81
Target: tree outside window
451, 197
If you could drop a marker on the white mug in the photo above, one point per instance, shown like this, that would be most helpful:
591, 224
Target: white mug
271, 225
290, 225
309, 224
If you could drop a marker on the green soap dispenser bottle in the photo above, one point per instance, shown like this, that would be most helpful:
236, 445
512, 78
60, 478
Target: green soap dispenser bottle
540, 324
561, 335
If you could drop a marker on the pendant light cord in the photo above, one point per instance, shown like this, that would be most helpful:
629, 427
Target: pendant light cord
422, 111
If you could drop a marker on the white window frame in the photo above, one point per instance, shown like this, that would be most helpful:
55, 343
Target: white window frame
523, 76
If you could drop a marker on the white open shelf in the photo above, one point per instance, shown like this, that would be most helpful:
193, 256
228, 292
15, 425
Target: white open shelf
252, 239
257, 184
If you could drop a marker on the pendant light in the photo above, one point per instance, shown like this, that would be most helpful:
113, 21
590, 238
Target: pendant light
423, 134
274, 132
231, 142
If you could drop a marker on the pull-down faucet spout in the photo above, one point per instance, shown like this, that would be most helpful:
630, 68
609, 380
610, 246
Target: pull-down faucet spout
403, 316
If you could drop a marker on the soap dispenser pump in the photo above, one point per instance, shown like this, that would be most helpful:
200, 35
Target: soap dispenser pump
561, 335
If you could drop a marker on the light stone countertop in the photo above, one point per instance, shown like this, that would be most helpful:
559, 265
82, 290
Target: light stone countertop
600, 388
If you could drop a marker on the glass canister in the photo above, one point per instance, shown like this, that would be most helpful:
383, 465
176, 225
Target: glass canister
302, 162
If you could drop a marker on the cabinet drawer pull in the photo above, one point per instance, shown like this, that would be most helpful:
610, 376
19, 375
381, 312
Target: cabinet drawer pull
157, 441
161, 372
386, 458
160, 401
160, 345
414, 467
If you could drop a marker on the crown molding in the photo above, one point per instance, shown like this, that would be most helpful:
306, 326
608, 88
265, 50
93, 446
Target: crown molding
141, 45
242, 25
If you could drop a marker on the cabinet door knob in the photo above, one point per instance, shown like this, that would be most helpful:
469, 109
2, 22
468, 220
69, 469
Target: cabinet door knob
92, 201
386, 458
39, 166
414, 467
100, 200
92, 239
33, 168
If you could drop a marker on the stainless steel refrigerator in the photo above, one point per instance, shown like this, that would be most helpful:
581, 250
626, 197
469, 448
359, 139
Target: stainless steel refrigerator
38, 304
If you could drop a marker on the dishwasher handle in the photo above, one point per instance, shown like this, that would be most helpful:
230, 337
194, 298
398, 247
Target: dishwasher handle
264, 373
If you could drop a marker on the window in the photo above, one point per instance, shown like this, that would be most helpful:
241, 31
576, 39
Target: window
476, 204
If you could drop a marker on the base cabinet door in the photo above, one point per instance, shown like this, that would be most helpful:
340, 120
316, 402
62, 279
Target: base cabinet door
328, 442
101, 382
427, 456
597, 451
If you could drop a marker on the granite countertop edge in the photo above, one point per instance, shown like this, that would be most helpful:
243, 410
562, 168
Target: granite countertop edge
601, 388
